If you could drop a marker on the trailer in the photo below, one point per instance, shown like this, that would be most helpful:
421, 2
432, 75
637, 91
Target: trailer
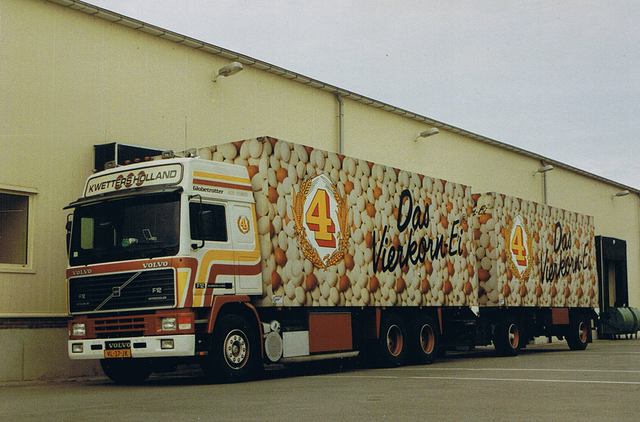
265, 251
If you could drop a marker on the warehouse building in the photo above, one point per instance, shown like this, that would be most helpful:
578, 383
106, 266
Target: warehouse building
74, 76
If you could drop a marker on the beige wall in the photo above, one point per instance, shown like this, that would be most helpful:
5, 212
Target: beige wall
69, 80
387, 138
31, 354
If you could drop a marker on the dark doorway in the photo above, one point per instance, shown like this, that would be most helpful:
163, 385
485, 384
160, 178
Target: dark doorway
612, 272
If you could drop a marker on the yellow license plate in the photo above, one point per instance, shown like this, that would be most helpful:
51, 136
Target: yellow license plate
118, 353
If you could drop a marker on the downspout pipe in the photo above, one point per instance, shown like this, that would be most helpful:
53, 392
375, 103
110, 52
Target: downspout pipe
543, 170
544, 188
341, 123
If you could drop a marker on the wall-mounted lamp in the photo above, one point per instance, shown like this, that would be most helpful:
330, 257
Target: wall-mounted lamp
427, 133
621, 193
228, 70
543, 169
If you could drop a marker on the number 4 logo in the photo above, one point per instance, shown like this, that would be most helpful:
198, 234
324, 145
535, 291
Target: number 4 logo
520, 248
320, 214
319, 221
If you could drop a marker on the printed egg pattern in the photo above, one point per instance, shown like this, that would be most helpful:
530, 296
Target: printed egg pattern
531, 254
339, 231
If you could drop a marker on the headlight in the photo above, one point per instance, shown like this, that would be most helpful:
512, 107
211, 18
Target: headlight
78, 329
168, 324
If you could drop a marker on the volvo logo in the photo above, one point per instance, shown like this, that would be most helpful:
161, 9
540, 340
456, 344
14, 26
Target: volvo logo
156, 264
115, 291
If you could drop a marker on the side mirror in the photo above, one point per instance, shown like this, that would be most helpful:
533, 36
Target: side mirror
68, 226
205, 226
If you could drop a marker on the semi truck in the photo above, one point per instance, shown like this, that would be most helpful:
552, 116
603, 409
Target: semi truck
265, 251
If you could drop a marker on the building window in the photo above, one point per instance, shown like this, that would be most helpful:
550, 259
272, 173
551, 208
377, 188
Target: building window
15, 219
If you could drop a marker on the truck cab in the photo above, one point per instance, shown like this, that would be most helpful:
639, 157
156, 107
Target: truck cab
151, 246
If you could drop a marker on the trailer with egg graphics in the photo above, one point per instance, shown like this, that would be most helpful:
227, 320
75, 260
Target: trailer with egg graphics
265, 251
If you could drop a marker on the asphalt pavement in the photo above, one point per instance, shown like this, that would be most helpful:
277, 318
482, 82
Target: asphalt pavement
546, 382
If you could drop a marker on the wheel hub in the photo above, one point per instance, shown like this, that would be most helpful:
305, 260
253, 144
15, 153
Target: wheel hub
583, 332
394, 340
236, 349
427, 339
514, 336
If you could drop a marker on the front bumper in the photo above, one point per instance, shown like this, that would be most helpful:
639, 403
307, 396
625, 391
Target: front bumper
140, 347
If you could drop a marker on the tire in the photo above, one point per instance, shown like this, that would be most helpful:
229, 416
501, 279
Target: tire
507, 337
577, 335
424, 340
235, 352
392, 342
126, 371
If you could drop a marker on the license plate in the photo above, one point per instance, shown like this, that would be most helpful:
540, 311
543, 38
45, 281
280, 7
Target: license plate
124, 353
117, 349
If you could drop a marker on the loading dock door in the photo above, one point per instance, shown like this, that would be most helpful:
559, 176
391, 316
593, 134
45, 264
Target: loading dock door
612, 272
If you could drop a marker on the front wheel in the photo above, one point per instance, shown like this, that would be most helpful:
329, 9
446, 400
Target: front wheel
235, 352
126, 371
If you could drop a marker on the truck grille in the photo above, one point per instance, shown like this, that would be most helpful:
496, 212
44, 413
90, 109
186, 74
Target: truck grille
120, 326
122, 291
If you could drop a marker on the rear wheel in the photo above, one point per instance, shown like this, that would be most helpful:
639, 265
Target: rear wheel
235, 351
392, 344
126, 371
577, 334
506, 337
424, 340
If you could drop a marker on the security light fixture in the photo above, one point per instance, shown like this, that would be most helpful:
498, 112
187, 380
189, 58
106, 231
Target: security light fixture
621, 193
227, 70
427, 133
543, 169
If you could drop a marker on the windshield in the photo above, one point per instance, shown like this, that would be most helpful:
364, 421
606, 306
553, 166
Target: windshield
125, 229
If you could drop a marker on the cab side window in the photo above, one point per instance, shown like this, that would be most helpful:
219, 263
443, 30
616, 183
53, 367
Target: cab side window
208, 222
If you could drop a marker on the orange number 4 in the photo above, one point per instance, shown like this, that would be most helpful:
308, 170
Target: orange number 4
518, 247
319, 220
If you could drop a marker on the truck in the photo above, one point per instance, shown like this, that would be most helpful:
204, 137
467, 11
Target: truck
265, 251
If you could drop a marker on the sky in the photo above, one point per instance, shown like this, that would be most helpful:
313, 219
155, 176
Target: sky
557, 78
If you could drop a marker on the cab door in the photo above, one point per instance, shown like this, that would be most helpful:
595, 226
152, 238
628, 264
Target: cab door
212, 247
246, 248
